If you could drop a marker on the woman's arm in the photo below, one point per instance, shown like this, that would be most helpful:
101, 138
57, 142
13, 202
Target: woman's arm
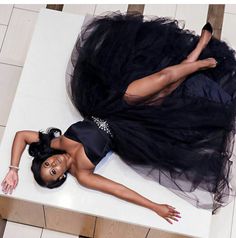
22, 138
95, 181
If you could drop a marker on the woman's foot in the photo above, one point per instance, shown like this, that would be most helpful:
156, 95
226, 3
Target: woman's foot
202, 43
206, 34
208, 63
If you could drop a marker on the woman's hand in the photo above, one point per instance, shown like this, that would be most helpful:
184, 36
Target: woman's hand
10, 181
167, 212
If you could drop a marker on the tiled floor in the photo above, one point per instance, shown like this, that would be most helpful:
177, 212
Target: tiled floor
15, 230
16, 28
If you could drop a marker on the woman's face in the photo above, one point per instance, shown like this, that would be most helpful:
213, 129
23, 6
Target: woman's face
54, 167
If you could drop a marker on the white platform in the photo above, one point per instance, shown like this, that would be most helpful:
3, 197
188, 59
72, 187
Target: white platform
41, 102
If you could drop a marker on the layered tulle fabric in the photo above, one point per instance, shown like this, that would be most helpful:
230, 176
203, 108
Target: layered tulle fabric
183, 141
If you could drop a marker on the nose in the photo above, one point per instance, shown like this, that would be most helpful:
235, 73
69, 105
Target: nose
54, 163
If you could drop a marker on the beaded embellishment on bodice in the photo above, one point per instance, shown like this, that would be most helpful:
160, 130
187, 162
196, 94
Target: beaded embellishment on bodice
102, 124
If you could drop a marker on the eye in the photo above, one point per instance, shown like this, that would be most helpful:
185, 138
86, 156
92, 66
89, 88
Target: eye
53, 172
46, 164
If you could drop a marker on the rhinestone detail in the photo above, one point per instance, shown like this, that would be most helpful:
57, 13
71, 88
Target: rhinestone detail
102, 124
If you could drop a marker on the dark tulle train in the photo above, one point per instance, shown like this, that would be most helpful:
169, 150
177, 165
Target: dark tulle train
183, 141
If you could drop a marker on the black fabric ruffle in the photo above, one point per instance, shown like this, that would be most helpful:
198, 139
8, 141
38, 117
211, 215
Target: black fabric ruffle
185, 143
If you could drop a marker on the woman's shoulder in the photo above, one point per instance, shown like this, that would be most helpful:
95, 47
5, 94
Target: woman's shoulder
64, 143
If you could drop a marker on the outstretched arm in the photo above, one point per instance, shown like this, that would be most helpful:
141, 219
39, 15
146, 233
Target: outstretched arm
22, 138
98, 182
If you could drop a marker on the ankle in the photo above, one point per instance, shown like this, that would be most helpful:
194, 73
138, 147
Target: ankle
203, 64
201, 44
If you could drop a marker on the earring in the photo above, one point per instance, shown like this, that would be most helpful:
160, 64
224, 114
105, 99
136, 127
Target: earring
63, 176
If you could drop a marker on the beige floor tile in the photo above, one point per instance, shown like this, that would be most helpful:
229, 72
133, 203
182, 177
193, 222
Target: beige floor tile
2, 129
101, 9
5, 13
18, 37
160, 10
221, 222
156, 234
2, 33
56, 219
16, 210
227, 33
195, 16
55, 234
32, 7
230, 8
16, 230
81, 9
8, 82
106, 228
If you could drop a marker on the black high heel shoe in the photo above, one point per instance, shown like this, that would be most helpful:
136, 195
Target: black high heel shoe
208, 27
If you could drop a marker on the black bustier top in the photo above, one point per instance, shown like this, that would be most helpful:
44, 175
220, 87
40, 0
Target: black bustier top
97, 143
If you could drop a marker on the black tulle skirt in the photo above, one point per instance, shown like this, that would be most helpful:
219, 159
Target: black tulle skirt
185, 142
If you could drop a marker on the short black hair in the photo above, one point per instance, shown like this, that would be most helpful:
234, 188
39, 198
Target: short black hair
41, 150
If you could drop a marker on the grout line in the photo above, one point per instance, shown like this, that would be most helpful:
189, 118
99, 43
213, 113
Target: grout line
2, 125
1, 24
10, 16
45, 221
231, 13
94, 9
24, 9
6, 30
231, 230
41, 233
176, 6
20, 66
148, 233
94, 229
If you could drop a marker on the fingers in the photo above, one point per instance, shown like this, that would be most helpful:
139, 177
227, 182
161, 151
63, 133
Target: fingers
15, 184
168, 220
172, 214
7, 187
3, 182
173, 218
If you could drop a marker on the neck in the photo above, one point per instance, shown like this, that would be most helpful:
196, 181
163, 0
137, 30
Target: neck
69, 161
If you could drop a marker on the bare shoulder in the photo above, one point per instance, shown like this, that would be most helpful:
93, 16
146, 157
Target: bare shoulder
64, 143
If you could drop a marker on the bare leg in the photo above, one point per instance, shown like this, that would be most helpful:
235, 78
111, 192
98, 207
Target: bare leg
202, 43
155, 84
162, 83
193, 56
